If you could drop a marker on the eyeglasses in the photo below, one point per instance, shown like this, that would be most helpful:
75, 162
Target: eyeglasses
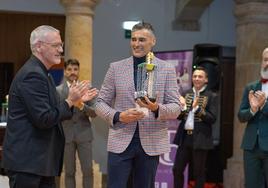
54, 45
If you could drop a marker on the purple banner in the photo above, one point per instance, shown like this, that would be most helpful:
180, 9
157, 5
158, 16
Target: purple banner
182, 60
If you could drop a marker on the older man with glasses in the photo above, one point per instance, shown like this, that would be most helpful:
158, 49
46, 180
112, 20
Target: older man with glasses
34, 140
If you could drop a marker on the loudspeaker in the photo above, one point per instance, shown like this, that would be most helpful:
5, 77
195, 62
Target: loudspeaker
208, 56
219, 61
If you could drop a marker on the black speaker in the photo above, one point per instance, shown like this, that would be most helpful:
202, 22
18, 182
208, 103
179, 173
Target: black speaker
208, 56
219, 61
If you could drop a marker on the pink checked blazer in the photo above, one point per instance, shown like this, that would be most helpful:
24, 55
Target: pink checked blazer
117, 94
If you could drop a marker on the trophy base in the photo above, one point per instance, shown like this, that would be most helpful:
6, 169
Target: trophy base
144, 101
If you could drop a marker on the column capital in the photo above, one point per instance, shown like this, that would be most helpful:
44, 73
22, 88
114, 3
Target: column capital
251, 12
79, 6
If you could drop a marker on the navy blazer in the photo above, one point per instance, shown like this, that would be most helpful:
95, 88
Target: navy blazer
256, 124
34, 139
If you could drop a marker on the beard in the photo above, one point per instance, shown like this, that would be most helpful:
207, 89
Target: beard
264, 73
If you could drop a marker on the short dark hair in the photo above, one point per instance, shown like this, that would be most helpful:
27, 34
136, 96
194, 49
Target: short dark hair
202, 69
71, 62
143, 25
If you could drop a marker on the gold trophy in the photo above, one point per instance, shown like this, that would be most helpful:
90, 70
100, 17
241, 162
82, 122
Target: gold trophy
146, 77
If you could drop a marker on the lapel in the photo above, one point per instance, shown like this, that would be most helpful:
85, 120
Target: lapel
156, 62
53, 95
63, 93
257, 86
65, 90
129, 70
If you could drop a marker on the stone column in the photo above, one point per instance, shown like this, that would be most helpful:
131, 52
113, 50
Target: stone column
78, 33
78, 45
252, 38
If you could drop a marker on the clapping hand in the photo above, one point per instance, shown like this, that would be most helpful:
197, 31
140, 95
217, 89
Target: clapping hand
77, 90
256, 99
80, 92
90, 94
182, 103
195, 102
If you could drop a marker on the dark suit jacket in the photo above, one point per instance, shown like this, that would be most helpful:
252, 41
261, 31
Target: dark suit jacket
257, 123
79, 127
205, 116
34, 139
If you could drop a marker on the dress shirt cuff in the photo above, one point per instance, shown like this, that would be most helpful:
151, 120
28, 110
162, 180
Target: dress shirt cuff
196, 109
156, 113
116, 117
253, 113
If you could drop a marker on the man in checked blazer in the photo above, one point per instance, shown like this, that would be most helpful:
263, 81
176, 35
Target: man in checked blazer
77, 131
254, 112
137, 137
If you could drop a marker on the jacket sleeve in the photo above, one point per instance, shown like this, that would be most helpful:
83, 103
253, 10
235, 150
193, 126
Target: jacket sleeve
209, 113
43, 111
244, 114
106, 97
171, 107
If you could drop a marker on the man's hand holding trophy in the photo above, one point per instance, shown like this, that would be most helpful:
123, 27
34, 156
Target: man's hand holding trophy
145, 94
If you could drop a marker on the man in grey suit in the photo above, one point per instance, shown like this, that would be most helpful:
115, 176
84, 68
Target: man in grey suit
254, 111
78, 132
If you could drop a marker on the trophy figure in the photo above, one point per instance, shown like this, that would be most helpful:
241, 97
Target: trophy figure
146, 76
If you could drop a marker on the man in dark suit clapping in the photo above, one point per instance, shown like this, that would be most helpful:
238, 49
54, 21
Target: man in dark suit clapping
34, 140
254, 111
194, 134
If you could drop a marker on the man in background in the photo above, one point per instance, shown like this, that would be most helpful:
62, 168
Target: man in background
77, 131
137, 137
34, 139
194, 134
254, 112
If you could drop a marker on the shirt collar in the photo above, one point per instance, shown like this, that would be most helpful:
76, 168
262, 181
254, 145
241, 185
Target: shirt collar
201, 90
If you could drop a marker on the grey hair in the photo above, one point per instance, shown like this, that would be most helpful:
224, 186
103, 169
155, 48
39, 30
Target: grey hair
39, 34
143, 25
265, 51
